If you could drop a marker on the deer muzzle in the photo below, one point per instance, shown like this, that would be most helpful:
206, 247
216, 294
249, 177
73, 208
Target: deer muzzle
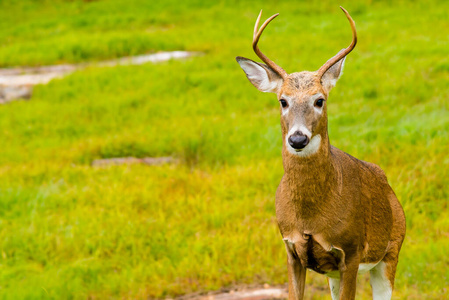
298, 140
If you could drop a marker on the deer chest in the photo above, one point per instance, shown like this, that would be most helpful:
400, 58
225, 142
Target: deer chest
313, 255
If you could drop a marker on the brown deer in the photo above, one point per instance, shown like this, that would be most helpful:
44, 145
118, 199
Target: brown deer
337, 215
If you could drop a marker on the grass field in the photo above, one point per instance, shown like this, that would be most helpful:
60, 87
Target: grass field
71, 231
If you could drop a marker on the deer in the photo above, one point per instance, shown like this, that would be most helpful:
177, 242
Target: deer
337, 215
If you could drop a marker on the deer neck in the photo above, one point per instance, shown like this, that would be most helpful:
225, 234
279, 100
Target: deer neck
310, 180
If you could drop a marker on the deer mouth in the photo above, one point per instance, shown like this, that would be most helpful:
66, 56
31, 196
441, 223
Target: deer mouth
311, 148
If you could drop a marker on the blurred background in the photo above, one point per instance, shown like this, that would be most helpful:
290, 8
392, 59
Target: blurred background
198, 214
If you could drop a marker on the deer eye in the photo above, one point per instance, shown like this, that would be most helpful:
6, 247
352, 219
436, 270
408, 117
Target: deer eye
319, 102
283, 103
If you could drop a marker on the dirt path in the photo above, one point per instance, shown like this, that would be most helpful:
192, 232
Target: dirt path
264, 292
17, 83
257, 292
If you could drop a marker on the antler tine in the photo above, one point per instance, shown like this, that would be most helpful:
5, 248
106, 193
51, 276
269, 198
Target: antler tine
256, 36
343, 52
256, 26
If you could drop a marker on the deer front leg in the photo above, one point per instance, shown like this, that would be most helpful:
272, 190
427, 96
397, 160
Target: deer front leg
348, 279
296, 273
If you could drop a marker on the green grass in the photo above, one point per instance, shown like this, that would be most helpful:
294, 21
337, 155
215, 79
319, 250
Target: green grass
71, 231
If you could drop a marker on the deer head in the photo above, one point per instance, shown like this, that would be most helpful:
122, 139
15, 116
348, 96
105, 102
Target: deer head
302, 95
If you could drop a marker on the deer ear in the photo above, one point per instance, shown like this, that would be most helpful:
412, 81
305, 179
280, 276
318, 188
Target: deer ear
260, 75
331, 76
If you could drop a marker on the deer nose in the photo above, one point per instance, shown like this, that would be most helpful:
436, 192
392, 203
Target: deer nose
298, 140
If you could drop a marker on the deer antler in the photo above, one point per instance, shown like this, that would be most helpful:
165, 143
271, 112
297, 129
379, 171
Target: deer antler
257, 33
343, 52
